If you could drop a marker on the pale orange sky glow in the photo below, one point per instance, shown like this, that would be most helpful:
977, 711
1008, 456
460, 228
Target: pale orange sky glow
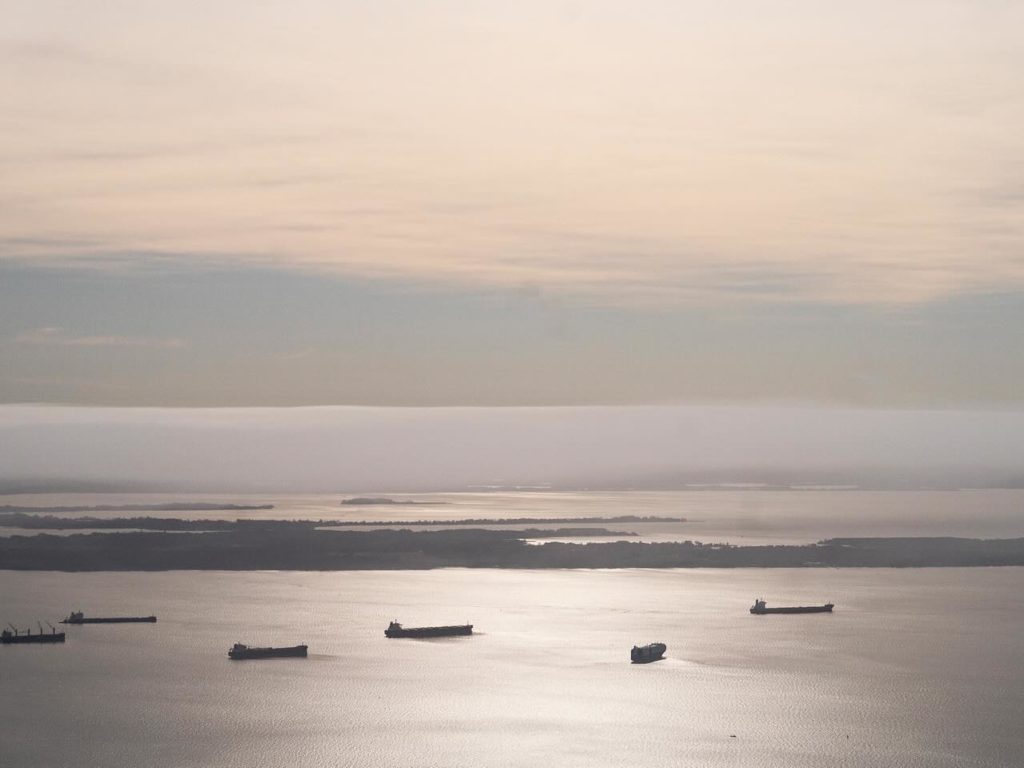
644, 153
543, 203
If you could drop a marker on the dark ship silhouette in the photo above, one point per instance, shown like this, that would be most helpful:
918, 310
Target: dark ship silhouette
239, 652
397, 630
14, 636
645, 654
77, 617
760, 608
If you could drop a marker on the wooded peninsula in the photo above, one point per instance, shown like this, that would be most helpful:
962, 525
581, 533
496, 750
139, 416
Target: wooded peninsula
281, 545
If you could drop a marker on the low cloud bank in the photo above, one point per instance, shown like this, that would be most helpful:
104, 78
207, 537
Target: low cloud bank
327, 449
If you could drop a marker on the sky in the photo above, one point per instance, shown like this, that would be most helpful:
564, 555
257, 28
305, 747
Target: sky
332, 449
240, 204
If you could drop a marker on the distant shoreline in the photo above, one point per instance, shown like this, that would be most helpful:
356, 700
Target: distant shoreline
185, 506
504, 521
49, 521
375, 501
299, 547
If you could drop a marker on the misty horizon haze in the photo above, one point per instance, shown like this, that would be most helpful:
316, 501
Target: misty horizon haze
353, 449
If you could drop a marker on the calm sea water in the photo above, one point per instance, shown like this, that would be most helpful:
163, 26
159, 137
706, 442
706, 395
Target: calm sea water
915, 668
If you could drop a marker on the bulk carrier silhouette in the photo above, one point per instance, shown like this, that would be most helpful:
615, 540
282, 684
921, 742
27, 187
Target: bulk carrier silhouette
760, 608
240, 652
77, 617
645, 654
397, 630
14, 636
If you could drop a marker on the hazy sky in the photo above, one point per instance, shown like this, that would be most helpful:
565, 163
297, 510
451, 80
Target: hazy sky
244, 203
380, 449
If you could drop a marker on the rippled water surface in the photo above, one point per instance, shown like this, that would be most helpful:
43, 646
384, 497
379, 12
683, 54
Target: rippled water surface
915, 668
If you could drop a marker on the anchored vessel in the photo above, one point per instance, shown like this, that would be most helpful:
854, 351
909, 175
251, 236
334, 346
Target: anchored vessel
14, 636
397, 630
239, 651
644, 654
760, 607
77, 617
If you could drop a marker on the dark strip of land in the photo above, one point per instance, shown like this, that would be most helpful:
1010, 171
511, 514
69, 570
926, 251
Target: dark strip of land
506, 521
290, 547
364, 501
55, 523
168, 507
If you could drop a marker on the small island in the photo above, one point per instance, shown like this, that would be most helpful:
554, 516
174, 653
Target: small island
370, 501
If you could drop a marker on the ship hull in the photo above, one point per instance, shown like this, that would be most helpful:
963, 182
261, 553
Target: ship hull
298, 651
794, 609
53, 637
464, 629
648, 653
114, 620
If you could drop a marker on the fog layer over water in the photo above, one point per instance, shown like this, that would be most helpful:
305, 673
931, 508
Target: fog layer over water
915, 668
348, 448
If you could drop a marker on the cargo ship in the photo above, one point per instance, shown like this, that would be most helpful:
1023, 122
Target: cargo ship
760, 608
77, 617
14, 636
239, 651
397, 630
645, 654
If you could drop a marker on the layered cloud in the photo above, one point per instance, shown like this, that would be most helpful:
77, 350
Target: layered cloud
656, 153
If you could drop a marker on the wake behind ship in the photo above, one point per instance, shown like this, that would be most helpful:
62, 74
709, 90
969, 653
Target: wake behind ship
77, 617
397, 630
239, 652
760, 608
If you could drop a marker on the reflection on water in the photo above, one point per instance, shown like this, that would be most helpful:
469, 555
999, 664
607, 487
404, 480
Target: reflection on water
739, 517
915, 668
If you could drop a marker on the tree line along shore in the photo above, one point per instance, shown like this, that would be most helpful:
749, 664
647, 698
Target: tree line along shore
290, 546
173, 506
